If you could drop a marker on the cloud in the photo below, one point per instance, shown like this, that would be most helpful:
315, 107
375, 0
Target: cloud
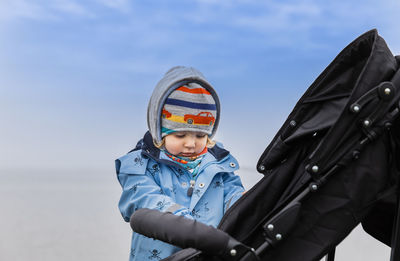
56, 9
14, 9
68, 7
290, 22
120, 5
40, 10
273, 22
280, 17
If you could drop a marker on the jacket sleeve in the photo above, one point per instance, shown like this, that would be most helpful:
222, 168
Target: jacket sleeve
233, 189
140, 190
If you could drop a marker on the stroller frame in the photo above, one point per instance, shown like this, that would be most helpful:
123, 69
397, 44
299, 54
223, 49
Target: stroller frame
314, 186
385, 91
352, 153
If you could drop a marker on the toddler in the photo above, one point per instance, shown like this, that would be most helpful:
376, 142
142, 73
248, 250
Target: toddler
177, 167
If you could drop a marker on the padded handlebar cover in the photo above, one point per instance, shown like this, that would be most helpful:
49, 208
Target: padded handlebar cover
181, 231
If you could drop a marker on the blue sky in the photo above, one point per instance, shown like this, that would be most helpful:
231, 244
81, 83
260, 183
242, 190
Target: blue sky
76, 76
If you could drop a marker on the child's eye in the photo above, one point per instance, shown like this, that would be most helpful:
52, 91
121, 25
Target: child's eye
179, 135
200, 135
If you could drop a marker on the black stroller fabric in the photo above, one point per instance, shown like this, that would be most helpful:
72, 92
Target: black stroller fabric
326, 130
319, 129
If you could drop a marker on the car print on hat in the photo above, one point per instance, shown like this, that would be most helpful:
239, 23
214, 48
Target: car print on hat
166, 114
201, 118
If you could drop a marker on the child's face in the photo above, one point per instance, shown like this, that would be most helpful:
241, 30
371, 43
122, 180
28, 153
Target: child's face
185, 143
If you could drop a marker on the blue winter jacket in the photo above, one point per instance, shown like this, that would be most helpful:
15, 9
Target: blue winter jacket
149, 179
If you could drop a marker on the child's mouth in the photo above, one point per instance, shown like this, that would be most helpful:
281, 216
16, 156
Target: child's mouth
187, 154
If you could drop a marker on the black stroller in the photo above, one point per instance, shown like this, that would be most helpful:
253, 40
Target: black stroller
332, 165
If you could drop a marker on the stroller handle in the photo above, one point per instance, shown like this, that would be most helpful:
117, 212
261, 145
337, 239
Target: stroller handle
184, 232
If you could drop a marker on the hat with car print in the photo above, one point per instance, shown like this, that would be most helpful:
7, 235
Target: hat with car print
183, 91
190, 107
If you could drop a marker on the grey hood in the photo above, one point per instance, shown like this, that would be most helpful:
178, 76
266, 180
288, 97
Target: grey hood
173, 79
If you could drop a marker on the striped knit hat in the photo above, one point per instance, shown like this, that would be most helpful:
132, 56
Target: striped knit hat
189, 108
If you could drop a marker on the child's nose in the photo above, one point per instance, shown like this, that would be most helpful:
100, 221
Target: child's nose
190, 142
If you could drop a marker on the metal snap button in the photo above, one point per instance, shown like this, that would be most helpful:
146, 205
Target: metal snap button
232, 164
184, 184
201, 185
